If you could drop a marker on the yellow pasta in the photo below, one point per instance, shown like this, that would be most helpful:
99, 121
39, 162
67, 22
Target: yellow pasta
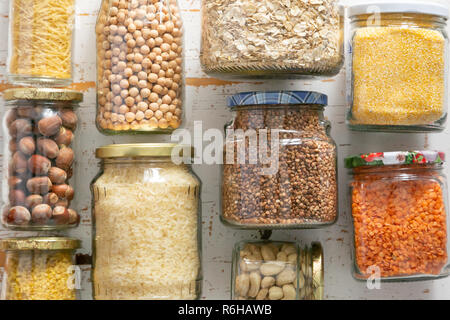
41, 38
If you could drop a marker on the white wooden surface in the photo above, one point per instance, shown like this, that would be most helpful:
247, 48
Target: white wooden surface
205, 101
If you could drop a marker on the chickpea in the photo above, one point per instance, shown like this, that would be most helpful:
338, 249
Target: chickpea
130, 116
148, 114
145, 93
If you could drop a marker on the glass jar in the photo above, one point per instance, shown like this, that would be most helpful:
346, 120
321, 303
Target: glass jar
40, 42
147, 225
272, 38
38, 158
399, 208
139, 66
280, 162
40, 268
399, 62
268, 270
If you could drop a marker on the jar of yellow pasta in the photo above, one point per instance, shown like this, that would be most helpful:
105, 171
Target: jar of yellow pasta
40, 42
40, 268
399, 63
147, 225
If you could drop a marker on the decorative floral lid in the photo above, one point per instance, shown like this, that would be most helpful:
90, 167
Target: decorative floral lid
277, 97
395, 158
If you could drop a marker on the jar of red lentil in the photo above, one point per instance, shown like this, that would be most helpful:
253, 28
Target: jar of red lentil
279, 162
399, 208
139, 66
399, 66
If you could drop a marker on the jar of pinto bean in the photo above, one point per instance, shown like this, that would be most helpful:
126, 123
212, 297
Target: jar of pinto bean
279, 162
38, 190
139, 66
400, 215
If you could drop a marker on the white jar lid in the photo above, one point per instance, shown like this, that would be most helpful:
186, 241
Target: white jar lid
424, 7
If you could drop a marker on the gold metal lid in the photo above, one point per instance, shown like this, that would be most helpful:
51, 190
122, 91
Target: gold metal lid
42, 94
141, 150
317, 270
39, 243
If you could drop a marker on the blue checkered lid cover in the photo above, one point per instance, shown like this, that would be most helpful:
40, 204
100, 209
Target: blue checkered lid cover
277, 97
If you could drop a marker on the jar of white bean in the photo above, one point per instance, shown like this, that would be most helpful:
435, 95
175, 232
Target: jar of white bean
139, 66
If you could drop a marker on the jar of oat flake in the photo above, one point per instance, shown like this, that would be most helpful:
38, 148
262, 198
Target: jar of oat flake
272, 38
399, 67
400, 215
279, 162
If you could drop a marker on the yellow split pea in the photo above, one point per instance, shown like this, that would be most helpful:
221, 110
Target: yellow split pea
398, 76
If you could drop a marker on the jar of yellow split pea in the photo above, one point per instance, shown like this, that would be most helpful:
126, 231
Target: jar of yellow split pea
399, 63
40, 268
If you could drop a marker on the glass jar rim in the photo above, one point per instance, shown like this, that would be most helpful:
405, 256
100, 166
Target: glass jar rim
414, 7
39, 243
138, 150
42, 94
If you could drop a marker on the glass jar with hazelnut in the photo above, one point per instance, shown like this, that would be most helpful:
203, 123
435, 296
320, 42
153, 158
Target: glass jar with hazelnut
39, 126
139, 66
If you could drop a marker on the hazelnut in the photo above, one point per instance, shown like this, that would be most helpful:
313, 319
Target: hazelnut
60, 215
47, 148
18, 215
62, 203
16, 197
63, 191
41, 213
69, 119
50, 126
19, 163
65, 158
51, 199
27, 145
20, 128
25, 112
39, 185
33, 200
13, 146
64, 137
57, 175
39, 165
14, 182
74, 217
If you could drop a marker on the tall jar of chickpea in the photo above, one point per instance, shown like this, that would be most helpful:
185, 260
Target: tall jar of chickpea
139, 66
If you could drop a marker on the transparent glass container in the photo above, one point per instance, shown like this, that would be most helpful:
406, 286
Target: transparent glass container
272, 38
41, 268
139, 67
274, 270
146, 225
40, 42
280, 163
38, 186
399, 71
400, 217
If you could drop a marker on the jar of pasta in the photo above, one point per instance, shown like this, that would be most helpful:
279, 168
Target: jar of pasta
139, 66
40, 268
40, 42
273, 270
272, 38
39, 129
147, 224
279, 162
399, 62
400, 215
